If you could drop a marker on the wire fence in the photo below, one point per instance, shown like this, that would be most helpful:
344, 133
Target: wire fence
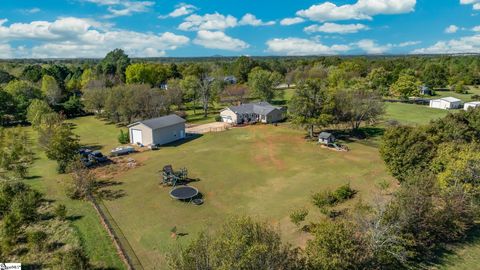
123, 246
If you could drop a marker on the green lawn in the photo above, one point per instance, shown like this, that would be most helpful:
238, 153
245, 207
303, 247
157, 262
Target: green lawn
92, 234
412, 114
464, 97
262, 171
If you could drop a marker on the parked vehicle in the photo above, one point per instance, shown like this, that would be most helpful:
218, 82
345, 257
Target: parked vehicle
98, 157
84, 152
122, 150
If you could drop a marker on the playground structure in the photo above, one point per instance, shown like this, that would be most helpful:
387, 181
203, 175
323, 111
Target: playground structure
171, 177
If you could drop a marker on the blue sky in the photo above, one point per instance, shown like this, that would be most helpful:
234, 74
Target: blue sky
152, 28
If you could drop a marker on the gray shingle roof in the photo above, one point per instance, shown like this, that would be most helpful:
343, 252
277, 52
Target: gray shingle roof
160, 122
262, 108
324, 135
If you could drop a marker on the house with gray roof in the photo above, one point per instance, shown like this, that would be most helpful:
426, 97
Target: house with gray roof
157, 131
262, 112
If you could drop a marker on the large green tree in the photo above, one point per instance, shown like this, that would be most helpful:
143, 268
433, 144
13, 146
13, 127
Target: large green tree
240, 243
114, 64
311, 105
262, 83
405, 87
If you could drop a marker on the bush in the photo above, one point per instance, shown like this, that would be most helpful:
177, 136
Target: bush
323, 199
344, 193
124, 137
74, 258
475, 97
61, 211
37, 240
329, 198
218, 118
298, 216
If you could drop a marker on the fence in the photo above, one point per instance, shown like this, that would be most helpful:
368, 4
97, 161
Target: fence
124, 248
207, 129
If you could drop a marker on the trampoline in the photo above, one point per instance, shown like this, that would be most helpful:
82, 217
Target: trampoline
183, 193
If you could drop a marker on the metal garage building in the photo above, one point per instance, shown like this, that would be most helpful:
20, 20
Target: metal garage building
157, 131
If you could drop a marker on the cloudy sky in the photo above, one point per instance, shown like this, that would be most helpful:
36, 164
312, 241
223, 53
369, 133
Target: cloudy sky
152, 28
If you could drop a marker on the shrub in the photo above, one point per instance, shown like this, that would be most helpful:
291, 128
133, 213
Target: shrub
298, 216
37, 240
344, 193
329, 198
475, 97
218, 118
323, 199
61, 211
74, 258
123, 137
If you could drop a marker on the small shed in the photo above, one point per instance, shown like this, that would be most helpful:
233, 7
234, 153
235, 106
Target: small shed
473, 105
326, 138
446, 103
426, 91
157, 131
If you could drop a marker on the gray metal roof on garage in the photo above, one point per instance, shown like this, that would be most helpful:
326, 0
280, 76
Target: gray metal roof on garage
160, 122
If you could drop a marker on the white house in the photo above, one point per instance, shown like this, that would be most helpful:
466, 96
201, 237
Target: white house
473, 105
157, 131
262, 112
446, 103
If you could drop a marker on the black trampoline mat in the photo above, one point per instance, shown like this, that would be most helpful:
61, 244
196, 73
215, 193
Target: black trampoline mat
183, 193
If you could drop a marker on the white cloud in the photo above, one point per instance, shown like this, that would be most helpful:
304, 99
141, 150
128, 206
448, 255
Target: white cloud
361, 10
219, 40
250, 19
30, 11
213, 21
77, 37
451, 29
371, 47
119, 8
181, 9
291, 21
6, 51
469, 44
299, 46
475, 3
336, 28
476, 29
408, 44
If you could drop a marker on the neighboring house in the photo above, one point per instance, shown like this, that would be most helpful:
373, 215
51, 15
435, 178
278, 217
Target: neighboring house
164, 86
157, 131
326, 138
262, 112
473, 105
230, 79
426, 91
446, 103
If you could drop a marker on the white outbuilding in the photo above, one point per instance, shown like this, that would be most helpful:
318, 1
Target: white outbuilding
446, 103
157, 131
473, 105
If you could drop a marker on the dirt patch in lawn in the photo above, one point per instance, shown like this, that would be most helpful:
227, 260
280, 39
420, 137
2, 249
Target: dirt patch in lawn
119, 166
206, 128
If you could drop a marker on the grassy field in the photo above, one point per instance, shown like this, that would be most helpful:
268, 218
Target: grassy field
464, 97
411, 114
92, 234
262, 171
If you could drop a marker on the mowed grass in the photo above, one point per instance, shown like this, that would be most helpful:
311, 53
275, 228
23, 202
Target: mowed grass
260, 171
464, 97
94, 238
412, 114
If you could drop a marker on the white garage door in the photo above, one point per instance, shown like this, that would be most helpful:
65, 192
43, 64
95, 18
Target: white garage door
137, 136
